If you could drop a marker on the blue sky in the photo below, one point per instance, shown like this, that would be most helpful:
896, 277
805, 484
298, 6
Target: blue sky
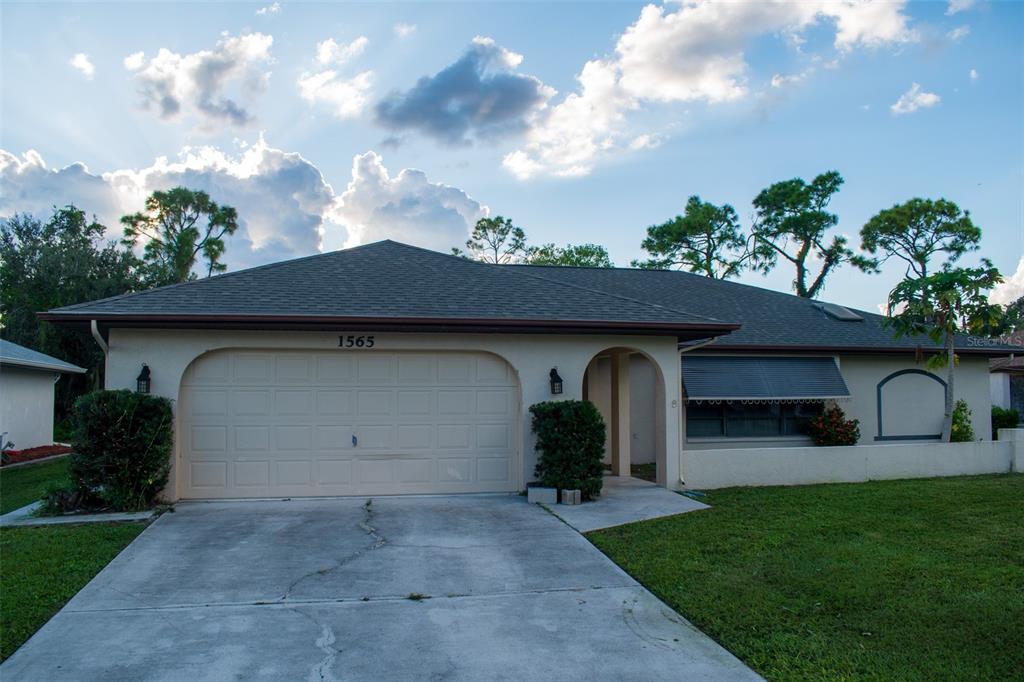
583, 122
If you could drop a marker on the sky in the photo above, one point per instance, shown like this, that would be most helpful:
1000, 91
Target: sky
328, 125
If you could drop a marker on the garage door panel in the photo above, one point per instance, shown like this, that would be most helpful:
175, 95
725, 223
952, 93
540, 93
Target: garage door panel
415, 403
493, 468
334, 437
334, 471
253, 368
252, 438
293, 438
280, 423
292, 368
415, 436
294, 472
332, 369
250, 403
336, 403
370, 436
252, 473
212, 402
208, 474
374, 403
293, 403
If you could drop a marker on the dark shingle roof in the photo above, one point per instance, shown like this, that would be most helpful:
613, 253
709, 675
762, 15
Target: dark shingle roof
13, 354
768, 319
389, 281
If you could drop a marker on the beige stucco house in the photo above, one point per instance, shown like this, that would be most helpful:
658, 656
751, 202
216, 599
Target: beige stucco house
389, 369
27, 380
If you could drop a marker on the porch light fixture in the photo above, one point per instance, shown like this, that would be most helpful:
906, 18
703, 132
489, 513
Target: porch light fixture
556, 382
142, 381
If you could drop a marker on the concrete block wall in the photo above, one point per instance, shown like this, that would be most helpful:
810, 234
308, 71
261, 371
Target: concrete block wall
708, 469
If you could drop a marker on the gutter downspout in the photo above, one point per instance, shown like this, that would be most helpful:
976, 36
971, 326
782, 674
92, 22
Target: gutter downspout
95, 329
694, 346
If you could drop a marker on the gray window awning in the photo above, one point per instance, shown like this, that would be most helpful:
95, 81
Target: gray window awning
762, 378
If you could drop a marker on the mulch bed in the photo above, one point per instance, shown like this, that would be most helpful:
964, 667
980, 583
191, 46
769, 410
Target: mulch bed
30, 454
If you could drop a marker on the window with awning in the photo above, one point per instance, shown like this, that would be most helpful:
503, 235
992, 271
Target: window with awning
757, 397
762, 379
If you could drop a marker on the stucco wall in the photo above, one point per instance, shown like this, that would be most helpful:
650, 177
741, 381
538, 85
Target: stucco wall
707, 469
169, 352
912, 403
26, 406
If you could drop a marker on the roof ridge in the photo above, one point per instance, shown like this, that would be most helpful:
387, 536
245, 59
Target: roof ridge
463, 259
686, 274
265, 266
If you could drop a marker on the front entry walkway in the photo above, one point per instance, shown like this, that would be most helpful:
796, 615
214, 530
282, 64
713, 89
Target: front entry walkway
397, 588
624, 500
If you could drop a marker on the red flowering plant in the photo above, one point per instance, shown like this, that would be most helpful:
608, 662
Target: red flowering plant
832, 427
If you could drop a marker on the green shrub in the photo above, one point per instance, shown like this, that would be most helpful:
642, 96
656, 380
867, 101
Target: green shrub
963, 431
122, 448
1003, 418
831, 427
570, 440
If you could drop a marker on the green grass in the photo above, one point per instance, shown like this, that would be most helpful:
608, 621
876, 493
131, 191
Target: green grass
647, 472
902, 580
41, 568
23, 485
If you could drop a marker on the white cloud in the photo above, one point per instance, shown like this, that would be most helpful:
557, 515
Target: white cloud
1011, 288
404, 30
973, 74
645, 141
134, 61
346, 97
199, 82
959, 33
330, 53
80, 62
913, 99
269, 10
282, 200
781, 81
406, 207
956, 6
694, 52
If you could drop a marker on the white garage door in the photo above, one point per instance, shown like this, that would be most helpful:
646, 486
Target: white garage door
292, 423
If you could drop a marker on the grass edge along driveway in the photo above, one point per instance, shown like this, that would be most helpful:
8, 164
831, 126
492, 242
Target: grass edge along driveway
26, 483
915, 580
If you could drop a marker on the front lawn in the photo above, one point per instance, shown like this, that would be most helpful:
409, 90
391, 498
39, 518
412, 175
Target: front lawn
908, 580
25, 484
42, 567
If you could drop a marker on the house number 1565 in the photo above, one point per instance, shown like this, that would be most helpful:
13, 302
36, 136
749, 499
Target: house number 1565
355, 342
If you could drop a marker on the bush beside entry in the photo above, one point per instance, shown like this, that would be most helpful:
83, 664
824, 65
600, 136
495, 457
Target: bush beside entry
122, 450
570, 440
1003, 418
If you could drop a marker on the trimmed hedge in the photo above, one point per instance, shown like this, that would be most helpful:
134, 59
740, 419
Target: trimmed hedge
570, 440
122, 448
1003, 418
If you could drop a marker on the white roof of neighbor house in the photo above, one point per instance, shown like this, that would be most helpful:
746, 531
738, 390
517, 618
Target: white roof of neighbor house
13, 354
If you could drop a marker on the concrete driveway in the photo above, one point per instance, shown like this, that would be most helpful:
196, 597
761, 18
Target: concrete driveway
454, 588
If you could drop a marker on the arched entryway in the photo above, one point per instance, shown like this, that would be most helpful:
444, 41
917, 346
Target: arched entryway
628, 388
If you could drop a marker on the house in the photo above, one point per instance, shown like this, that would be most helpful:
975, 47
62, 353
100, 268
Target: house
388, 369
1006, 378
27, 380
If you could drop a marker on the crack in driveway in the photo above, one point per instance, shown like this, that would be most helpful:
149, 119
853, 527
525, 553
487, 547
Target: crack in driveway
378, 542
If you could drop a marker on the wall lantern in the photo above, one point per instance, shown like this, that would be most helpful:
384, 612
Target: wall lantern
142, 381
556, 382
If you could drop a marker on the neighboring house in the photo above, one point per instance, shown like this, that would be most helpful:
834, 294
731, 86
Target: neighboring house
1006, 378
27, 380
389, 369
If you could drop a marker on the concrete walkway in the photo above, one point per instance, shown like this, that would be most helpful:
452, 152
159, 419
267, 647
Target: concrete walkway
400, 588
624, 500
24, 517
